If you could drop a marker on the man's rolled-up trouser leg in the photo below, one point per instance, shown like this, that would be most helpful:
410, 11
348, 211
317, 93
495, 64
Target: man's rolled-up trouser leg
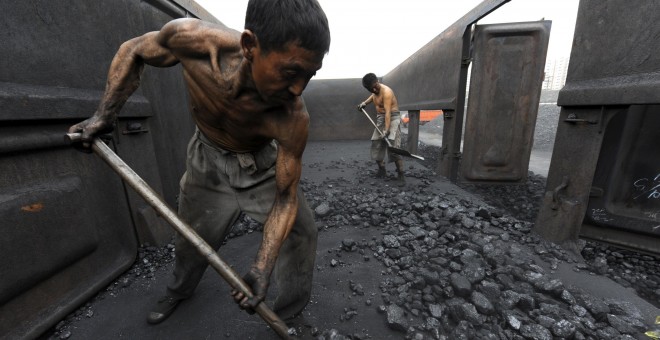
212, 227
395, 137
379, 146
378, 150
295, 263
208, 205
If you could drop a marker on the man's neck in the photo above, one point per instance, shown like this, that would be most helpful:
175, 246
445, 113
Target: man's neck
241, 80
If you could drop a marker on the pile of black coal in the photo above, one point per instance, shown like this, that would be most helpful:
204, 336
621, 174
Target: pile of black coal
458, 269
453, 267
626, 267
522, 201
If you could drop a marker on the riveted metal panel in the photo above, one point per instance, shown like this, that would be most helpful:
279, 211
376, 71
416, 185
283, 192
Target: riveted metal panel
507, 74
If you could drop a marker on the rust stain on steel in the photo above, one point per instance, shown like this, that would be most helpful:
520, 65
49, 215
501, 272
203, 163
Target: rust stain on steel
33, 208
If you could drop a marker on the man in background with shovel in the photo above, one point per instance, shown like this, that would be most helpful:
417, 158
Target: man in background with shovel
245, 156
388, 121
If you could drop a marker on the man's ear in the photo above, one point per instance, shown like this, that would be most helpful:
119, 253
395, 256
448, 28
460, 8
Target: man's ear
249, 44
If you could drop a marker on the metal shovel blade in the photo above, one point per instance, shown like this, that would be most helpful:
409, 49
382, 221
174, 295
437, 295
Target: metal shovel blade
402, 152
389, 146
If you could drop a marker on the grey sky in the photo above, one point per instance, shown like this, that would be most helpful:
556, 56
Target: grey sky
376, 35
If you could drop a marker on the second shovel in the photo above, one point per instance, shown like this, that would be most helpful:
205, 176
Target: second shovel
389, 145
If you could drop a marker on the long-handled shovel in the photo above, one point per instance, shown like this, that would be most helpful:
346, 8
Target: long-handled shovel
153, 199
389, 145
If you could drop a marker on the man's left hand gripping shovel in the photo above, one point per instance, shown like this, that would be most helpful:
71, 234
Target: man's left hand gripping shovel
153, 199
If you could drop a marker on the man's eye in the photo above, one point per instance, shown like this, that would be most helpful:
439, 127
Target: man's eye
290, 74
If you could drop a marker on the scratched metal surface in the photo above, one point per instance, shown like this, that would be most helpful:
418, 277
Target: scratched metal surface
604, 168
626, 186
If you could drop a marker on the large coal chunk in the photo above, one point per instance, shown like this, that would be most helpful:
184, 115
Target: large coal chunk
461, 285
396, 319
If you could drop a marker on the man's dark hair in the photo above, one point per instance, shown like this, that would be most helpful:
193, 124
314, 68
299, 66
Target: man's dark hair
277, 22
369, 80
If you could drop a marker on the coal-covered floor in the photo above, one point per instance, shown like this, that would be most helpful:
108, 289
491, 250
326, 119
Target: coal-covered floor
430, 260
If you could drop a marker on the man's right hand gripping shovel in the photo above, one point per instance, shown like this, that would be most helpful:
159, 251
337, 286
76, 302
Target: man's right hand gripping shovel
89, 128
258, 280
86, 140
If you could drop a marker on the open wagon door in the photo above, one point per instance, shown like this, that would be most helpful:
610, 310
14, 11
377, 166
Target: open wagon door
505, 87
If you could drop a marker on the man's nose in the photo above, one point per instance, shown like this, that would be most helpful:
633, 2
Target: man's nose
296, 88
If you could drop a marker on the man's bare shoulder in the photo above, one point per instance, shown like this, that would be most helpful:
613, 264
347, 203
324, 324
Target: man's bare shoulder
387, 89
300, 110
292, 117
194, 35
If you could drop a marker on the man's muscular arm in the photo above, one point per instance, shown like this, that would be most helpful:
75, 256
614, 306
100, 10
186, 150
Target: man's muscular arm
283, 213
181, 37
123, 80
367, 101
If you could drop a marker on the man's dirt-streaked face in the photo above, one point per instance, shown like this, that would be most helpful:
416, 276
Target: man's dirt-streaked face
282, 75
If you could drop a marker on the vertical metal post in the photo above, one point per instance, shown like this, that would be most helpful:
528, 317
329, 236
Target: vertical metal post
563, 207
452, 134
413, 130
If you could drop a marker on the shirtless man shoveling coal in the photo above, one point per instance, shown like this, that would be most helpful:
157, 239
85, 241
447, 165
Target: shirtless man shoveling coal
252, 125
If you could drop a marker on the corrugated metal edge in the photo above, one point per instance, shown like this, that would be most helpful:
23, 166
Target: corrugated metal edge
619, 90
35, 102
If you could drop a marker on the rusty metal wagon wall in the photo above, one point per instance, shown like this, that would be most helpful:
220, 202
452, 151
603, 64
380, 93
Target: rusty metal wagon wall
604, 176
67, 224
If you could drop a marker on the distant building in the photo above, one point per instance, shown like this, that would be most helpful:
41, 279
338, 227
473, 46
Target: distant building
555, 73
